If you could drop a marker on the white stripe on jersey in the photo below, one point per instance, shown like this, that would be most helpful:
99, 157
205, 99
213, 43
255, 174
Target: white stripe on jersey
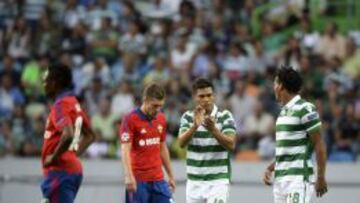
295, 135
207, 155
290, 120
206, 170
204, 141
290, 150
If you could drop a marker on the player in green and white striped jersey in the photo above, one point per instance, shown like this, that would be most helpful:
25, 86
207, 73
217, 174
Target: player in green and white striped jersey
298, 133
209, 135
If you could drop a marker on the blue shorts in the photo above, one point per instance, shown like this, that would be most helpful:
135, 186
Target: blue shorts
150, 192
60, 187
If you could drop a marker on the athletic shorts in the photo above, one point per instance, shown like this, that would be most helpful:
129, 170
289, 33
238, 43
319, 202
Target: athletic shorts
207, 192
60, 187
293, 192
150, 192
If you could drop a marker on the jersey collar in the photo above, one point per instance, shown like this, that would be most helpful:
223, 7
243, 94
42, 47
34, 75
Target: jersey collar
63, 94
292, 101
143, 116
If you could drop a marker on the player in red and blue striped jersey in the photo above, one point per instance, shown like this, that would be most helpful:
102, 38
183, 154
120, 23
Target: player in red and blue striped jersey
62, 141
144, 151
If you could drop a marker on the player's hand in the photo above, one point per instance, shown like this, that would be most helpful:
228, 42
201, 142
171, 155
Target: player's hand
199, 115
172, 184
320, 186
49, 159
267, 177
209, 123
130, 184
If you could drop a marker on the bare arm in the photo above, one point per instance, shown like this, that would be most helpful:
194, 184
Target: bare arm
65, 141
320, 151
126, 162
165, 157
271, 166
268, 173
87, 138
185, 137
227, 141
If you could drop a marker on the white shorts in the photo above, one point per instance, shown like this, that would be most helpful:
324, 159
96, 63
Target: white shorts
207, 192
293, 192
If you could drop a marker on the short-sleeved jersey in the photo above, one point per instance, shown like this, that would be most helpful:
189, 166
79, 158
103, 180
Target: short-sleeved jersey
145, 136
297, 120
207, 160
65, 111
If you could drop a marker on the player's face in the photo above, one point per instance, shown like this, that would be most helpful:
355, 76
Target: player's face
48, 85
205, 98
153, 106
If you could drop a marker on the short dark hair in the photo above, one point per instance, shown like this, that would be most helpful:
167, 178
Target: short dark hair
290, 79
62, 75
154, 91
201, 83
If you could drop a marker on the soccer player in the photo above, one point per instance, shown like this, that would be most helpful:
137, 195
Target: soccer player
62, 141
298, 132
209, 134
144, 151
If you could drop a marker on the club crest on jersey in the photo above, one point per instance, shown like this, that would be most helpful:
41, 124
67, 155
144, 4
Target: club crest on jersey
143, 131
125, 137
160, 128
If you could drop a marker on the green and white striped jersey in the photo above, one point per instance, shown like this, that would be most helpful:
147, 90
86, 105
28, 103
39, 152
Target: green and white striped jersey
206, 159
293, 162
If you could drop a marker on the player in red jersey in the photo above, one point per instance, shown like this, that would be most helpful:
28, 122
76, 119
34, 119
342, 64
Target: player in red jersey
62, 141
144, 151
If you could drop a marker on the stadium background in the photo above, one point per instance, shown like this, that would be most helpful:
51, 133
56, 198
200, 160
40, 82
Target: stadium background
115, 47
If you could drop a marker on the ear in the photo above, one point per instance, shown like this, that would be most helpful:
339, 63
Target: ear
281, 87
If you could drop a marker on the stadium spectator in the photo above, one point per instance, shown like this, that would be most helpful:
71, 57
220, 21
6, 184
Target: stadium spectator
10, 67
242, 104
352, 60
258, 125
103, 41
332, 43
159, 72
123, 99
18, 38
10, 95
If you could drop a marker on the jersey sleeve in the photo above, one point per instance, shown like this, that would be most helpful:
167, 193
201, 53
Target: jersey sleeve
62, 115
163, 132
228, 123
311, 119
126, 130
185, 122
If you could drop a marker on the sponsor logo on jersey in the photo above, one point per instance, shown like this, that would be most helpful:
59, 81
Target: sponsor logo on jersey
143, 131
141, 142
312, 116
149, 141
230, 122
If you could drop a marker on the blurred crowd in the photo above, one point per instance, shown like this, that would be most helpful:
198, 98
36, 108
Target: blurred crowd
115, 47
